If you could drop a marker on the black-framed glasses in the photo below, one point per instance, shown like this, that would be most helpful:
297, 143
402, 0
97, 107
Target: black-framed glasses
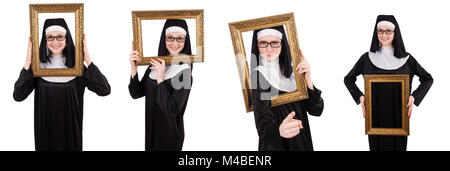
388, 32
58, 38
179, 39
264, 44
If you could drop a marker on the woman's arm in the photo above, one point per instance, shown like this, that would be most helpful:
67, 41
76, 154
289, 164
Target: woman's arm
171, 100
426, 80
24, 85
96, 81
350, 80
93, 79
314, 104
136, 87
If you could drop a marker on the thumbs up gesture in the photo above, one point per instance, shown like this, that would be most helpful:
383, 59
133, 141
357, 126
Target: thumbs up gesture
290, 127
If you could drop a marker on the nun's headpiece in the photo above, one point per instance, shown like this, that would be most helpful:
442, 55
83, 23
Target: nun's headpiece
285, 54
57, 24
174, 25
397, 43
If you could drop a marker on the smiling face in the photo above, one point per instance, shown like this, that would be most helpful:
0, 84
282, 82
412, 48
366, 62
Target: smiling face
385, 35
268, 51
175, 42
56, 42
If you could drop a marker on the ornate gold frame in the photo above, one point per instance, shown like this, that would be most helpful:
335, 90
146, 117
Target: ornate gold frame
78, 9
138, 16
236, 29
404, 80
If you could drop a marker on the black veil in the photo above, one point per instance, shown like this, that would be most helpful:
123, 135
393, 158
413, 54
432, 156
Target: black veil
397, 43
285, 54
162, 51
69, 50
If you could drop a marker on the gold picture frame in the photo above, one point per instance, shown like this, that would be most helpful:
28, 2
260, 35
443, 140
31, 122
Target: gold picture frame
236, 30
78, 9
405, 91
138, 16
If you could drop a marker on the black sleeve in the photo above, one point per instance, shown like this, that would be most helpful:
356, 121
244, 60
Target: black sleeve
136, 87
266, 124
426, 80
314, 104
24, 85
95, 81
171, 100
350, 80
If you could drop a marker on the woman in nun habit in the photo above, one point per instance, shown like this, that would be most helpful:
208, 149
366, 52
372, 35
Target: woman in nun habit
58, 101
166, 89
387, 55
285, 127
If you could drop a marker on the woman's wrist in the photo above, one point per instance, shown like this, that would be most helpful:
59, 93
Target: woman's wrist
88, 62
27, 65
133, 72
160, 78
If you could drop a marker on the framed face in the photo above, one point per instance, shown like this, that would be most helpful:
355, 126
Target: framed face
175, 42
269, 48
151, 35
55, 40
386, 104
147, 30
385, 35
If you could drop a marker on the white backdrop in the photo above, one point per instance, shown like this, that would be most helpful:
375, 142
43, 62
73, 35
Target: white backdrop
333, 35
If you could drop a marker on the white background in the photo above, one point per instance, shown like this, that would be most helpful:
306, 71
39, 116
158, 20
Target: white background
333, 35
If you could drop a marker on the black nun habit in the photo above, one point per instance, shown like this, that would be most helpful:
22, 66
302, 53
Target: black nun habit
166, 102
58, 106
267, 118
388, 60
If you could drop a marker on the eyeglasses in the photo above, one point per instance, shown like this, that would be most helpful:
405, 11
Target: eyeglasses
58, 38
179, 39
264, 44
388, 32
